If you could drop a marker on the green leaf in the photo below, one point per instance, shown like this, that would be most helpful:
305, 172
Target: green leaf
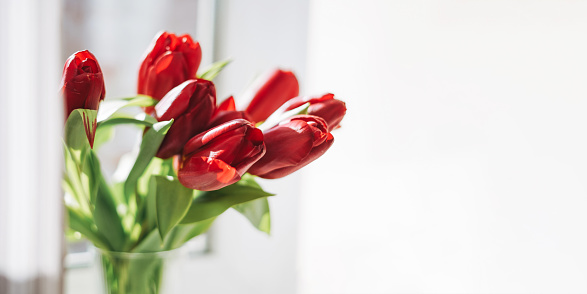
72, 182
150, 243
119, 118
147, 210
84, 181
80, 124
257, 212
149, 146
105, 130
178, 236
173, 201
91, 174
213, 70
183, 233
109, 107
213, 203
83, 224
106, 216
157, 166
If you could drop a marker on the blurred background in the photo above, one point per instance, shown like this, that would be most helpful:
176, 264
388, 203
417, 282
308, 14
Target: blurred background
459, 168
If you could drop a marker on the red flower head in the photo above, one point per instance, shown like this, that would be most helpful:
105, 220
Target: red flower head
291, 145
82, 84
169, 61
220, 156
326, 106
269, 92
191, 105
82, 87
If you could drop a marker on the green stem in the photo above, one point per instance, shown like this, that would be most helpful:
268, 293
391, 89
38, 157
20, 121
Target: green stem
124, 275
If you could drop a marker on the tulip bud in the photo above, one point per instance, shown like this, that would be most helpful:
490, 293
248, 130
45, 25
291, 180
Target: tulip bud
269, 92
220, 156
326, 106
226, 112
169, 61
82, 84
291, 145
191, 105
82, 87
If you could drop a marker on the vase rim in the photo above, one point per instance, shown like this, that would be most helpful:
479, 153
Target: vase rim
139, 255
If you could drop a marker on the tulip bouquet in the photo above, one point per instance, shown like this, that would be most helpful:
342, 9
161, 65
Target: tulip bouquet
196, 159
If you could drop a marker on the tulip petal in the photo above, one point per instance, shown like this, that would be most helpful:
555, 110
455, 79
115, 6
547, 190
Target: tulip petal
168, 71
227, 105
332, 111
315, 154
226, 116
205, 91
250, 160
191, 104
292, 145
156, 48
173, 142
325, 106
300, 100
95, 91
221, 155
203, 138
225, 147
286, 145
207, 174
192, 53
270, 92
175, 102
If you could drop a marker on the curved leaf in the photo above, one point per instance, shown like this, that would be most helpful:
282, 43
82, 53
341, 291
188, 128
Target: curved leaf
105, 214
80, 128
149, 146
173, 201
257, 212
213, 70
178, 236
183, 233
109, 107
123, 118
83, 225
213, 203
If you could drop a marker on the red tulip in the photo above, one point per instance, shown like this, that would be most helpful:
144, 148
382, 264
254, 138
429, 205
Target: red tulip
292, 145
82, 87
191, 105
169, 61
326, 106
82, 84
220, 156
226, 112
269, 93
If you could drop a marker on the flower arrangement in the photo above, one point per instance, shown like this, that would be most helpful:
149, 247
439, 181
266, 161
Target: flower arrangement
197, 158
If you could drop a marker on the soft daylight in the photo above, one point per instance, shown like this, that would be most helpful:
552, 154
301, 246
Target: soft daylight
293, 147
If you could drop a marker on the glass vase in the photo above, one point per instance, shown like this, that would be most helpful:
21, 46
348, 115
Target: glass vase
141, 273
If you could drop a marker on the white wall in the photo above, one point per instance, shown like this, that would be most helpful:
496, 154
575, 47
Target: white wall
461, 164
